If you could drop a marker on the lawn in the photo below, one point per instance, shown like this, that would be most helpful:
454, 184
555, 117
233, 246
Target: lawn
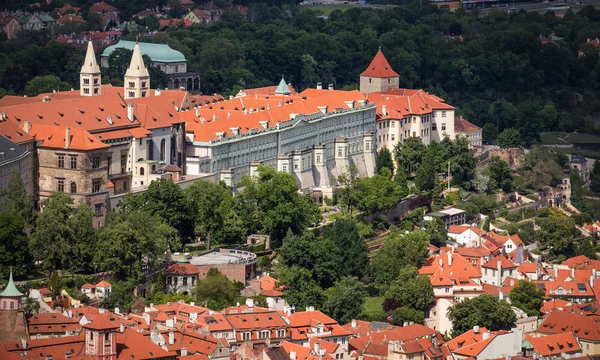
373, 307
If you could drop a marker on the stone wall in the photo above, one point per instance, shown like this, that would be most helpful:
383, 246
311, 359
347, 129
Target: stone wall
514, 157
371, 84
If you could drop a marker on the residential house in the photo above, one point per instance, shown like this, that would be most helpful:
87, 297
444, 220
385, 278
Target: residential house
89, 290
250, 351
10, 26
586, 328
468, 130
304, 325
550, 347
467, 235
197, 17
491, 346
419, 349
103, 288
579, 164
577, 292
182, 277
258, 327
497, 270
450, 217
51, 325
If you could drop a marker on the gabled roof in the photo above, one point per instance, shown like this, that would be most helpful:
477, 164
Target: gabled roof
183, 269
101, 322
379, 67
552, 345
505, 263
103, 284
459, 229
462, 125
583, 326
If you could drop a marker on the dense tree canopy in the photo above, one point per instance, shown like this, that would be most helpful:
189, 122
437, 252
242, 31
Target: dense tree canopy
398, 251
527, 297
485, 311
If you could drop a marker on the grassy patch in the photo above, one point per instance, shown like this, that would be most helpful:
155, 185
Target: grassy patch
553, 138
562, 138
373, 307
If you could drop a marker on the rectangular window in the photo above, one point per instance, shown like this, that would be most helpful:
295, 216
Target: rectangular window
123, 163
143, 84
443, 126
185, 281
284, 168
61, 161
318, 159
73, 162
393, 137
60, 186
86, 90
95, 91
434, 127
444, 113
131, 94
393, 124
98, 209
131, 84
96, 162
150, 150
86, 81
95, 81
96, 186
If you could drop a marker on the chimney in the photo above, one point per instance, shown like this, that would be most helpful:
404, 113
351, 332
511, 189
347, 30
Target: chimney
192, 303
264, 124
24, 344
67, 137
441, 262
27, 126
101, 311
330, 86
476, 329
214, 118
121, 328
449, 258
154, 336
292, 355
317, 347
146, 317
197, 113
319, 86
592, 281
117, 311
250, 303
384, 110
183, 352
555, 272
573, 273
157, 92
130, 115
499, 275
171, 337
353, 324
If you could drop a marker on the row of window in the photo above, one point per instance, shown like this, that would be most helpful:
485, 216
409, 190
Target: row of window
60, 186
173, 280
73, 161
264, 334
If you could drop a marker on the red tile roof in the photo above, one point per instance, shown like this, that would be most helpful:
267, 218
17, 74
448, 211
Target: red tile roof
52, 136
261, 320
462, 125
459, 229
554, 345
103, 284
88, 286
182, 269
582, 262
583, 326
379, 67
100, 322
102, 7
505, 263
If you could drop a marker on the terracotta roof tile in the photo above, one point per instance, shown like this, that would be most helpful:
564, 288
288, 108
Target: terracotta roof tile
379, 67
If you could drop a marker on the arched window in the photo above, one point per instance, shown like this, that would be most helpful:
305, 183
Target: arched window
141, 171
73, 187
162, 149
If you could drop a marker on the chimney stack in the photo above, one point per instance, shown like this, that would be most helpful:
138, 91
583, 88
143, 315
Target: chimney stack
292, 355
499, 276
449, 258
330, 86
130, 115
171, 337
183, 352
67, 137
27, 126
319, 86
384, 110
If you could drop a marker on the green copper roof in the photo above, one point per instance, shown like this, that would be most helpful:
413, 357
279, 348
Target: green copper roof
11, 289
156, 52
282, 88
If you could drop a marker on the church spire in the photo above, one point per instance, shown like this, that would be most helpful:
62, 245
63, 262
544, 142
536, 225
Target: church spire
137, 78
89, 76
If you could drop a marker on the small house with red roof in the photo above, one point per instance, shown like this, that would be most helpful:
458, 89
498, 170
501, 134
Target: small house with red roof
469, 131
103, 288
467, 235
182, 277
497, 270
89, 290
563, 345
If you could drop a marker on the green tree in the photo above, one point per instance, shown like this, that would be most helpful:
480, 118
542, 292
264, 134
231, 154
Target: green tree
45, 84
273, 200
31, 305
436, 231
216, 291
301, 290
558, 232
214, 214
377, 193
411, 291
398, 251
345, 300
509, 138
404, 314
16, 200
489, 133
54, 283
346, 192
14, 250
436, 196
426, 174
83, 239
132, 240
527, 297
410, 154
52, 239
499, 173
384, 160
485, 311
400, 178
351, 247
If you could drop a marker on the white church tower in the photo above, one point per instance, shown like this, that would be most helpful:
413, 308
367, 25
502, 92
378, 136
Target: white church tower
89, 76
137, 78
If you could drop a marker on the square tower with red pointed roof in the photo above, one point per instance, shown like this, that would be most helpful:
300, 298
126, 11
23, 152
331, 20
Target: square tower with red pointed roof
379, 76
